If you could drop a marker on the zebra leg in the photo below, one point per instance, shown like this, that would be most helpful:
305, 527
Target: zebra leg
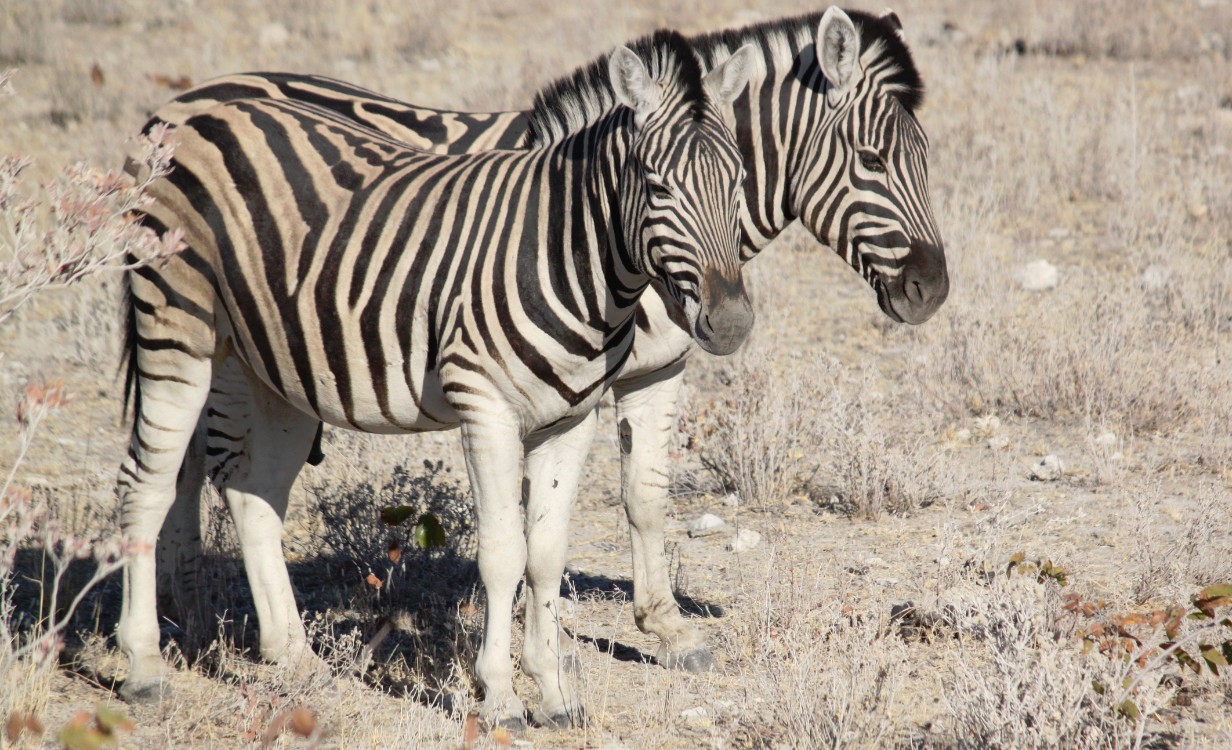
172, 386
645, 411
553, 467
257, 489
493, 448
181, 550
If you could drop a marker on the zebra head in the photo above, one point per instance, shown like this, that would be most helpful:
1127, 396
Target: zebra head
864, 191
681, 185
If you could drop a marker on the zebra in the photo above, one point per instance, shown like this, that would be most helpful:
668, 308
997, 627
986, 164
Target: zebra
383, 289
829, 135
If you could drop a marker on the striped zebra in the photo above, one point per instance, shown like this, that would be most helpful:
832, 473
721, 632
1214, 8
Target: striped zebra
829, 135
383, 289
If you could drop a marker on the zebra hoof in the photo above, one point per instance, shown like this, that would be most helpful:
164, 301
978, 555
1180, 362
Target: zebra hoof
694, 660
145, 692
560, 719
515, 725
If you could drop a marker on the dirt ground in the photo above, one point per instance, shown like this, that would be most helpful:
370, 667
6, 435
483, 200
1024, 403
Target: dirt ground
1094, 135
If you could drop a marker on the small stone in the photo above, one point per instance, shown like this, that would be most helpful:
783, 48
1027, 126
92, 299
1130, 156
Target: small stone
963, 435
1049, 469
874, 561
1155, 277
697, 712
744, 540
1038, 276
732, 500
998, 443
706, 525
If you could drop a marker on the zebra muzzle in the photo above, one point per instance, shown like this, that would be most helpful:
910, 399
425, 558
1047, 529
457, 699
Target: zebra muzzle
726, 314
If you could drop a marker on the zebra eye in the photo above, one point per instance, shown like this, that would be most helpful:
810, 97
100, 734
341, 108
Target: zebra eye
659, 190
871, 161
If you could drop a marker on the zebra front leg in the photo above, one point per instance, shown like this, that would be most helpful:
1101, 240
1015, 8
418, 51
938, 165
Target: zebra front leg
167, 408
257, 489
492, 445
645, 412
553, 466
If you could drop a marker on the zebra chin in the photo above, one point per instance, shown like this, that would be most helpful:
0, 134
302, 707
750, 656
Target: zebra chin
920, 288
722, 321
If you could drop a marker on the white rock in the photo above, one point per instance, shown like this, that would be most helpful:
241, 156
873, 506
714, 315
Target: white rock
1049, 469
706, 525
732, 500
998, 443
1038, 276
874, 561
1155, 277
273, 35
744, 540
697, 712
963, 435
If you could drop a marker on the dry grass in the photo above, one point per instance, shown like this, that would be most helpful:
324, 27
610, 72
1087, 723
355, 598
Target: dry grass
882, 465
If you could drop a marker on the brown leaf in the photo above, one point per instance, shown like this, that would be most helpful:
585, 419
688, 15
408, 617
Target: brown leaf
96, 74
175, 84
303, 722
470, 731
22, 723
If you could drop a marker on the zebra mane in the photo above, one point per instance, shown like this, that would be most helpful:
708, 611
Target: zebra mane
582, 97
902, 78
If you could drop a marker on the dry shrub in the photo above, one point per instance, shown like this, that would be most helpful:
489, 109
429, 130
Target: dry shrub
808, 425
73, 228
423, 602
1016, 681
1196, 553
762, 438
814, 673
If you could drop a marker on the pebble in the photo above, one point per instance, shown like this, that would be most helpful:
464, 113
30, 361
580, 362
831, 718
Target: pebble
706, 525
1038, 276
963, 435
697, 712
744, 540
1049, 469
732, 500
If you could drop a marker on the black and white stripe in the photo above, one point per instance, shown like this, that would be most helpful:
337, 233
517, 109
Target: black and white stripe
359, 282
837, 146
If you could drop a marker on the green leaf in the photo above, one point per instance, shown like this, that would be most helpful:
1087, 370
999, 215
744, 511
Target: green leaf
428, 532
397, 515
1098, 687
1214, 659
1217, 591
1128, 709
77, 737
112, 719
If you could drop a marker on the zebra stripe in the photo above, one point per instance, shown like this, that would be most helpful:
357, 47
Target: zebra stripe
803, 142
384, 289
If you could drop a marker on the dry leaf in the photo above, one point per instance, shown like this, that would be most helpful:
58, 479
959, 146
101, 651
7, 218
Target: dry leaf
96, 74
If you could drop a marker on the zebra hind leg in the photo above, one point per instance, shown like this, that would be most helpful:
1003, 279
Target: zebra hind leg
172, 385
257, 486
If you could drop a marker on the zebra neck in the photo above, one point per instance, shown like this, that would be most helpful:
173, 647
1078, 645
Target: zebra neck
588, 266
782, 105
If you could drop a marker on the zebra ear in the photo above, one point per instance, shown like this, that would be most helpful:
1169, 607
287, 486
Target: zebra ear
725, 82
838, 52
632, 83
891, 18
